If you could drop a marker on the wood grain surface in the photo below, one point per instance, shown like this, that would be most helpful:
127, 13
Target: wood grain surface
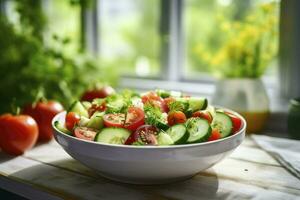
47, 172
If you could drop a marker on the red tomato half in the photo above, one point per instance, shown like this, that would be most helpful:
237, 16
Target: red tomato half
155, 100
204, 115
43, 113
236, 121
18, 133
114, 120
151, 96
135, 118
144, 135
176, 117
85, 133
71, 120
215, 135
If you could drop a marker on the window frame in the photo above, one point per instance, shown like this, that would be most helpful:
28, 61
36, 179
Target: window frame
172, 50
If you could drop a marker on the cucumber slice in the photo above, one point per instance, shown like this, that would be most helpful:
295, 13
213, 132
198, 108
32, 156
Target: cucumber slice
188, 113
78, 108
164, 139
60, 127
159, 124
178, 133
86, 104
182, 103
112, 135
96, 121
197, 103
223, 123
162, 93
83, 121
199, 130
211, 110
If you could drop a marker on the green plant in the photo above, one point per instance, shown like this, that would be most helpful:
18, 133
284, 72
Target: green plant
28, 66
244, 47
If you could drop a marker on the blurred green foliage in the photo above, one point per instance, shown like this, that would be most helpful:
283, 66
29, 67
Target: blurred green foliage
27, 66
130, 37
33, 19
213, 26
144, 42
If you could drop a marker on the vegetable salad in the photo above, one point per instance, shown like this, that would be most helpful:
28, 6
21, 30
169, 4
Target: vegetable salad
157, 117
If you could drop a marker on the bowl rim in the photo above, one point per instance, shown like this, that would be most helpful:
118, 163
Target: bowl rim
240, 132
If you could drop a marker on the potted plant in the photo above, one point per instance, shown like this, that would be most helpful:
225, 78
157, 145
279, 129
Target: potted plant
245, 49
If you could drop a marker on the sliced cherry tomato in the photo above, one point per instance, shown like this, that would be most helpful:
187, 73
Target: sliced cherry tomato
135, 118
103, 92
215, 135
151, 96
72, 119
18, 133
176, 117
85, 133
144, 135
43, 113
114, 120
236, 121
204, 115
155, 100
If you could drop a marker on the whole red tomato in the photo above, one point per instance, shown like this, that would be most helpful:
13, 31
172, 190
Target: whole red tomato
43, 113
97, 93
17, 133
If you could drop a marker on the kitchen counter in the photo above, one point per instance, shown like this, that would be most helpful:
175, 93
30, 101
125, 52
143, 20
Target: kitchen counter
47, 172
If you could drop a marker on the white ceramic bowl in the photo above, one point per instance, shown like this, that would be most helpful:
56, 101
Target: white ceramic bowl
147, 164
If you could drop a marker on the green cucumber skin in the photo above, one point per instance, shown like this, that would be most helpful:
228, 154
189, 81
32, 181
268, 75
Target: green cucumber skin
96, 121
196, 104
162, 126
61, 128
219, 119
163, 139
184, 137
112, 130
86, 104
163, 93
204, 138
78, 108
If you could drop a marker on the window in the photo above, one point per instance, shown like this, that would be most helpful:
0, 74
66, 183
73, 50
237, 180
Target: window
208, 25
129, 36
169, 40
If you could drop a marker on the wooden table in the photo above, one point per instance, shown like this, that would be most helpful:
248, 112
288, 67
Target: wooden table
47, 172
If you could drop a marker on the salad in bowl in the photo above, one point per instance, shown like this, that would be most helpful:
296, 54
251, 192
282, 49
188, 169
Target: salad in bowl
158, 118
151, 138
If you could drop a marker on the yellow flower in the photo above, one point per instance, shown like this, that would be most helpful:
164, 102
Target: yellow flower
267, 7
237, 25
225, 26
219, 59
